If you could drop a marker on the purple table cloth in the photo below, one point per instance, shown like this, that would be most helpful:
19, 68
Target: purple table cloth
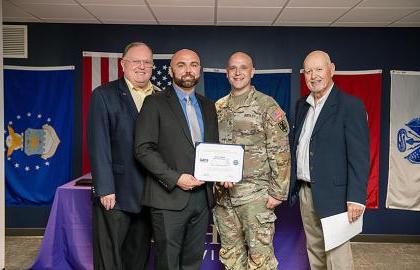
67, 242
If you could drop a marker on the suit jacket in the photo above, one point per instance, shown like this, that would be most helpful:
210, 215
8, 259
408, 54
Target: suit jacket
338, 153
110, 135
164, 146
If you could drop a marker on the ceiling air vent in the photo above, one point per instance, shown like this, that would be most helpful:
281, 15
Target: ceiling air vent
15, 41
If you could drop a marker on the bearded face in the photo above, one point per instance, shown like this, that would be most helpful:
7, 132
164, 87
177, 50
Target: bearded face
185, 69
188, 80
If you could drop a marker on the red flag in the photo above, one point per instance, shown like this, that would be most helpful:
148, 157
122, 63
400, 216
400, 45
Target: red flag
367, 86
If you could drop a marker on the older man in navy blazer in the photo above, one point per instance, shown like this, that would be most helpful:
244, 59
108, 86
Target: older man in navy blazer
330, 149
121, 226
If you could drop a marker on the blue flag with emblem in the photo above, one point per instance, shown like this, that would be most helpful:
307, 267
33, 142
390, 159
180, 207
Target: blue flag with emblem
275, 83
38, 123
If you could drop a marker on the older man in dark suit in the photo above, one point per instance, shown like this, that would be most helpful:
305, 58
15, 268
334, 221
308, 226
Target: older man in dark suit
121, 226
169, 125
330, 159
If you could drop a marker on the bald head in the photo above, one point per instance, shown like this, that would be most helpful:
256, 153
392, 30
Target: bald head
242, 56
239, 72
319, 72
319, 55
185, 69
184, 53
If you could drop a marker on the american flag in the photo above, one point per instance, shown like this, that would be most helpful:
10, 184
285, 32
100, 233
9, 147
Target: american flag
100, 68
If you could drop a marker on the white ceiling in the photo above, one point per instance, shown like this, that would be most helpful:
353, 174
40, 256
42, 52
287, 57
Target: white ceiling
359, 13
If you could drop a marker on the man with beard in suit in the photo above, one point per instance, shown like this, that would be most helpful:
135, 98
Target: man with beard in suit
167, 129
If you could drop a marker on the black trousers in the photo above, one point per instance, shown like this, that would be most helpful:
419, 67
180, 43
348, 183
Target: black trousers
180, 235
121, 240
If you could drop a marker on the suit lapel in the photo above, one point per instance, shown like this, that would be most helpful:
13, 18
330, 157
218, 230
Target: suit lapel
327, 111
175, 106
127, 98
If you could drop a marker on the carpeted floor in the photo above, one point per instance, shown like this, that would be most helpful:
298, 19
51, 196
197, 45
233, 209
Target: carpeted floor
21, 252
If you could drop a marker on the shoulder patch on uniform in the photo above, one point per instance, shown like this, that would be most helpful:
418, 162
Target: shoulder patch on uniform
277, 114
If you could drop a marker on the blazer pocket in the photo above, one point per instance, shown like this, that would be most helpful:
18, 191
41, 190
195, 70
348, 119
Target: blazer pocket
118, 168
340, 182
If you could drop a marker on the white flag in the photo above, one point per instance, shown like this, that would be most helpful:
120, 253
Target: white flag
404, 144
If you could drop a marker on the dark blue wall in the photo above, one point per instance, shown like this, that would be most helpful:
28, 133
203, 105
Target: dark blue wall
271, 47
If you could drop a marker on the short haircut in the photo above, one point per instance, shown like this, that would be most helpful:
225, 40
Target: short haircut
135, 44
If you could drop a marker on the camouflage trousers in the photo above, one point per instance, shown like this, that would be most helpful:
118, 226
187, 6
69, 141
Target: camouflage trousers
246, 234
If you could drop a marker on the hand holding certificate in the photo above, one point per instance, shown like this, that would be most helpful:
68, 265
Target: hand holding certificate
337, 229
218, 162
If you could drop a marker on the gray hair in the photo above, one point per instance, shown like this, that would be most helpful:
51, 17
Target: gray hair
135, 44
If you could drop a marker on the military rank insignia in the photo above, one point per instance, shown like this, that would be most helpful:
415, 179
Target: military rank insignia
284, 126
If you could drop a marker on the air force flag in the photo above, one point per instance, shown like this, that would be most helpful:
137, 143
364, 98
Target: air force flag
38, 131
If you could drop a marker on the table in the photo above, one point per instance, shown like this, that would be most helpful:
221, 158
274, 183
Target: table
67, 242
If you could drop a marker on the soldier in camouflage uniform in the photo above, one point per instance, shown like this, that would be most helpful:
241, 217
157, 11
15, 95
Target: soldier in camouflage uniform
244, 214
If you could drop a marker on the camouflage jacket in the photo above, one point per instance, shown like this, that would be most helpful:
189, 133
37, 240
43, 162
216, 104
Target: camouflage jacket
261, 126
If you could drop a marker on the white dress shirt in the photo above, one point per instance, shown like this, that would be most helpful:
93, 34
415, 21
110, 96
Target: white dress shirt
302, 151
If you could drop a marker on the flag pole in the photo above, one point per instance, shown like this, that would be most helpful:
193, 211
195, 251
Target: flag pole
2, 178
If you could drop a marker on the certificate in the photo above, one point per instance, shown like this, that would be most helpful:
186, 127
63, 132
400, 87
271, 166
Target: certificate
337, 229
219, 162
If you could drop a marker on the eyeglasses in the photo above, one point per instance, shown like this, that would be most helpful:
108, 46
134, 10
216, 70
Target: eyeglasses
145, 63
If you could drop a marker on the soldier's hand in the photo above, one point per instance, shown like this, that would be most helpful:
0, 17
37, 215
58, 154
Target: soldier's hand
272, 202
188, 182
227, 184
108, 201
